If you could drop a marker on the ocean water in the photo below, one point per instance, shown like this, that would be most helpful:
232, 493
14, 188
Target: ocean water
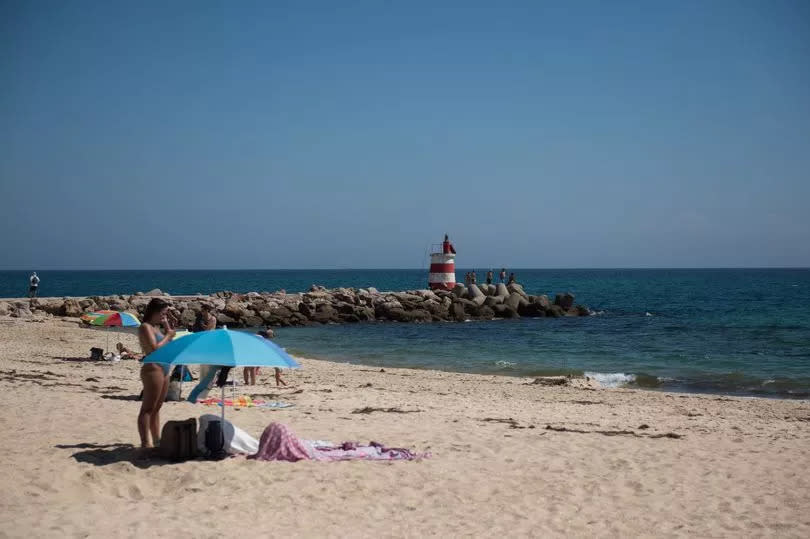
728, 331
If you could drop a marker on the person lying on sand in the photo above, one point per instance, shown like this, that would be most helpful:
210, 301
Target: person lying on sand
126, 353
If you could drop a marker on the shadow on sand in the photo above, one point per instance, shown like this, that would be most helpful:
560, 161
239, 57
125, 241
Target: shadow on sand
122, 397
104, 454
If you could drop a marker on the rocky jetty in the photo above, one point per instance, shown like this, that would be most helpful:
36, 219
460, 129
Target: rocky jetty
321, 306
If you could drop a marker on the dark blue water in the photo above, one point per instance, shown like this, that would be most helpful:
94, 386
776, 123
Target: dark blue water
724, 331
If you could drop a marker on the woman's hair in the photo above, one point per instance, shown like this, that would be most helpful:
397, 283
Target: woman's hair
154, 306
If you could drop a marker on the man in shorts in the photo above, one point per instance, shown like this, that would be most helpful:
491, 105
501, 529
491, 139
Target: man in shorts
33, 285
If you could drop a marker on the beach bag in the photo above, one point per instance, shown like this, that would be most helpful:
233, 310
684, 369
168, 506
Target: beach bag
173, 394
96, 354
215, 440
178, 440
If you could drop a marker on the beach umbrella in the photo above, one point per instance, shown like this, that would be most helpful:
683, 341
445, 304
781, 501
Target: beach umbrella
222, 348
114, 318
110, 319
89, 317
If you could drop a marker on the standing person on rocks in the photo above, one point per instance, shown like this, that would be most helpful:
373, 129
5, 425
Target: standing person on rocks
473, 277
155, 377
33, 285
490, 275
502, 275
447, 247
467, 279
511, 278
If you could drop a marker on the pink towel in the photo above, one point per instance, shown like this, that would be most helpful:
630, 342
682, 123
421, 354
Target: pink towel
279, 443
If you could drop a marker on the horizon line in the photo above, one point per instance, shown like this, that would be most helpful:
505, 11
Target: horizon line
474, 268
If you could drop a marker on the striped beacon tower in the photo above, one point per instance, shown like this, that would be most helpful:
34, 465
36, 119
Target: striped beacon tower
443, 267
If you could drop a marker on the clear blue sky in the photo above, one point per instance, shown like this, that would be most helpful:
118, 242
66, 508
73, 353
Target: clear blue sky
271, 134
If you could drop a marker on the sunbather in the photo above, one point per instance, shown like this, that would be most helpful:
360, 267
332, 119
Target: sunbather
126, 353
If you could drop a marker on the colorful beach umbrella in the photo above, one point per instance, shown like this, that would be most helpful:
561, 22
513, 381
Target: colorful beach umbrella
115, 318
222, 348
87, 317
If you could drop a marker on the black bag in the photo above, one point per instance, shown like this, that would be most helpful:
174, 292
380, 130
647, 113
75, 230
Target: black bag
178, 440
222, 377
96, 354
215, 440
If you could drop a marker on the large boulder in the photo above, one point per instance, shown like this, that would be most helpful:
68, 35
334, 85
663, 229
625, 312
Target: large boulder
505, 311
514, 301
531, 310
325, 313
459, 290
565, 301
500, 290
515, 288
493, 300
155, 292
543, 301
476, 295
457, 311
70, 307
225, 320
555, 311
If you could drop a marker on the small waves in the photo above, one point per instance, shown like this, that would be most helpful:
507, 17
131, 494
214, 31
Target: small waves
506, 364
612, 379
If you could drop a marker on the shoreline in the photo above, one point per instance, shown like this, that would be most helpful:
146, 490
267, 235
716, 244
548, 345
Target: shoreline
507, 456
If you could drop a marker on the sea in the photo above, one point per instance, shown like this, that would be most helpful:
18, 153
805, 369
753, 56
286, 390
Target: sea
723, 331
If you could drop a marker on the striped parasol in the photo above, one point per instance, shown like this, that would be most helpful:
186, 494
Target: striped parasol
115, 318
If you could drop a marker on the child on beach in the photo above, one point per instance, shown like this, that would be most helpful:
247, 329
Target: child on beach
267, 334
155, 377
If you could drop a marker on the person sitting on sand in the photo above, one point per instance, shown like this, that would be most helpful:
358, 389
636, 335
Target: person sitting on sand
155, 377
205, 320
126, 353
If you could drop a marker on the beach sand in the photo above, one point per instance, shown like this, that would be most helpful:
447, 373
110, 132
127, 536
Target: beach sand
705, 465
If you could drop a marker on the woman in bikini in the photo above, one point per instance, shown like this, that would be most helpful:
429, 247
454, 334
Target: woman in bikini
154, 377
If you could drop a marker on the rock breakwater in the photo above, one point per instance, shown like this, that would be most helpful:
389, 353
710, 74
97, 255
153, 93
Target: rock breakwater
321, 306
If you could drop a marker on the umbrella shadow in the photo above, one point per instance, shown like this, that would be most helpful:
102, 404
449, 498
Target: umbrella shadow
106, 454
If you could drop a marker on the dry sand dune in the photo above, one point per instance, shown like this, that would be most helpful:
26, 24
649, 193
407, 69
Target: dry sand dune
509, 457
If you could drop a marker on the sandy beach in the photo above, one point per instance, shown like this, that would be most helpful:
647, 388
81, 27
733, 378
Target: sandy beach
509, 457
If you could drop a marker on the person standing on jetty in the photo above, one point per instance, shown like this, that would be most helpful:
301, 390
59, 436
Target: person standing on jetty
502, 275
473, 277
155, 377
511, 278
490, 276
447, 247
33, 285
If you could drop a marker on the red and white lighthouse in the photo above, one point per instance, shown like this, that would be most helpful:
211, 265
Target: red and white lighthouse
443, 267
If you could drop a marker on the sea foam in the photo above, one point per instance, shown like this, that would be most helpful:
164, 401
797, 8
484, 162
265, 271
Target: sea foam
612, 379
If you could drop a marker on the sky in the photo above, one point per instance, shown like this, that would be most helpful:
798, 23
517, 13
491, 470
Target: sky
197, 134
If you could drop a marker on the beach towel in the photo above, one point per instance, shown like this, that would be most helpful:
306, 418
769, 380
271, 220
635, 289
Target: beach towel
278, 442
237, 441
246, 402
